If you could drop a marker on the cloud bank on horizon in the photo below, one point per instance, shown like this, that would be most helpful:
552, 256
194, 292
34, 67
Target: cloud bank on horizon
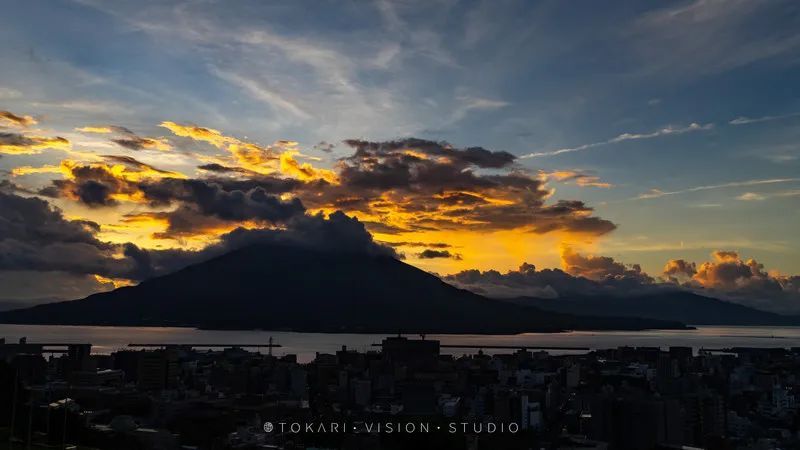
465, 137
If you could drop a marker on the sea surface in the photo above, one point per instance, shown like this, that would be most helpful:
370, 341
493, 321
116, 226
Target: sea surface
306, 345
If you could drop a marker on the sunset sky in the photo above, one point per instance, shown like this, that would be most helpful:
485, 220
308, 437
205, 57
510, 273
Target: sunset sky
620, 140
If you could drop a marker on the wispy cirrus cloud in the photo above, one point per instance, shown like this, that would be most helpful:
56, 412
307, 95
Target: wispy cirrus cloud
666, 131
759, 196
657, 193
742, 120
261, 92
735, 32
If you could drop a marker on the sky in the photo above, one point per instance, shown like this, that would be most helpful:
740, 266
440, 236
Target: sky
633, 139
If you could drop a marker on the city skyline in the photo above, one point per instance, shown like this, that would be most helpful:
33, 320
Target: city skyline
655, 145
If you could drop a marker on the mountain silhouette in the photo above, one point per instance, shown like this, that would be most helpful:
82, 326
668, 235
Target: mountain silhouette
291, 288
681, 306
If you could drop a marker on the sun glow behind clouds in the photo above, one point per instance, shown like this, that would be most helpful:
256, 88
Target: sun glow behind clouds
490, 213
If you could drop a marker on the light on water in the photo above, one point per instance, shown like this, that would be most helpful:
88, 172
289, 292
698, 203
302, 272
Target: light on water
306, 345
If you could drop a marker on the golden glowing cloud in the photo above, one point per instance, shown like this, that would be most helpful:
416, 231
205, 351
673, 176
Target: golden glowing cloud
579, 178
29, 170
304, 171
209, 135
15, 144
116, 282
96, 129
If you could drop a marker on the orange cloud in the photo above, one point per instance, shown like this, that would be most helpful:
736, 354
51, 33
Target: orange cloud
729, 273
599, 268
579, 178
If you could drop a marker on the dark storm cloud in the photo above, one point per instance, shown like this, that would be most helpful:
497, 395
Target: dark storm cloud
434, 254
437, 245
335, 233
36, 237
235, 200
476, 156
228, 200
98, 184
92, 185
437, 186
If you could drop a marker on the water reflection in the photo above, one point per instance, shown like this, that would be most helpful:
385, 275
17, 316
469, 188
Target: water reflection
305, 345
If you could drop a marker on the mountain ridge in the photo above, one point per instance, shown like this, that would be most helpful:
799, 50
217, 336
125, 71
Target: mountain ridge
682, 306
291, 288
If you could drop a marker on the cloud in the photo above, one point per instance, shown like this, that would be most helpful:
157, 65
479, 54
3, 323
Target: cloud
265, 160
742, 280
421, 148
419, 184
304, 171
755, 196
324, 146
209, 135
37, 237
103, 129
142, 143
258, 90
747, 120
467, 104
666, 131
576, 177
212, 199
750, 196
9, 118
737, 33
19, 144
527, 281
103, 183
434, 254
679, 269
219, 168
8, 93
29, 170
657, 193
601, 268
435, 245
727, 276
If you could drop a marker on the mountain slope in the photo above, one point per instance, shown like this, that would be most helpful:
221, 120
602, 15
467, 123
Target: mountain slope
278, 287
685, 307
